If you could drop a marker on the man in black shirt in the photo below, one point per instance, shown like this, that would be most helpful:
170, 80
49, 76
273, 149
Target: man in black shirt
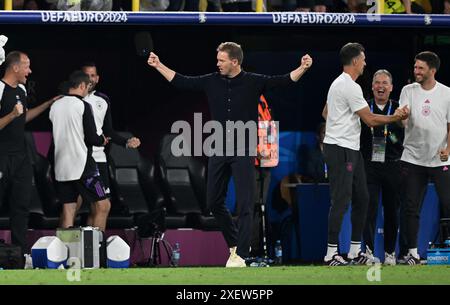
382, 147
233, 95
15, 166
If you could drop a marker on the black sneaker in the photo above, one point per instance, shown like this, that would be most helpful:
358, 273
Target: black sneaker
411, 260
362, 259
337, 260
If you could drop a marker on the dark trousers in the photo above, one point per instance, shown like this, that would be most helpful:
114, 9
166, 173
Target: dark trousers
15, 189
220, 170
415, 180
262, 176
347, 183
383, 178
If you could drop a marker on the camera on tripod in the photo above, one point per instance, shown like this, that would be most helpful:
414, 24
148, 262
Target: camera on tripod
153, 226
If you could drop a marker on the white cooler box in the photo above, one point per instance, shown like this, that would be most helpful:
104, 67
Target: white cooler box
49, 252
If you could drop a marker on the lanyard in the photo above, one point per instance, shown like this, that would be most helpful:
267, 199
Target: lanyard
385, 126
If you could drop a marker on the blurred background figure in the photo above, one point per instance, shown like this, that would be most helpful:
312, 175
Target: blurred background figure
446, 7
81, 5
31, 5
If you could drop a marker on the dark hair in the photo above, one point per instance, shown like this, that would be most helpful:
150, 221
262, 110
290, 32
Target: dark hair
13, 58
233, 50
88, 64
349, 52
430, 58
76, 78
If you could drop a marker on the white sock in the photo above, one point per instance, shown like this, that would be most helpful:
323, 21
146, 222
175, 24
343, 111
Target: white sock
331, 250
413, 252
355, 248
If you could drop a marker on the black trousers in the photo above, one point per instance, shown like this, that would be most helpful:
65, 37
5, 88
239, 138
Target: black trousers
15, 190
415, 180
383, 178
347, 183
220, 170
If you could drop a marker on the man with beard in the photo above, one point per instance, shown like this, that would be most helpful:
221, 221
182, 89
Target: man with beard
343, 110
101, 110
426, 146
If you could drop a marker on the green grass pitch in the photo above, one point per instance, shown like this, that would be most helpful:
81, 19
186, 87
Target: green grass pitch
282, 275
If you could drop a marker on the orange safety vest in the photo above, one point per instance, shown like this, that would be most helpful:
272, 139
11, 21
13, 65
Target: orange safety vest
267, 148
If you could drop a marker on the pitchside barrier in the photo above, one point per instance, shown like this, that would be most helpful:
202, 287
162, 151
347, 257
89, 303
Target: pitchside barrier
202, 18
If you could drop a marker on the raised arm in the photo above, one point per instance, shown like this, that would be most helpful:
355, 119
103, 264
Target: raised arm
306, 63
153, 61
180, 81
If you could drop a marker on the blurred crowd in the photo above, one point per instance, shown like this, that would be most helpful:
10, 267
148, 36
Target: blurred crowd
353, 6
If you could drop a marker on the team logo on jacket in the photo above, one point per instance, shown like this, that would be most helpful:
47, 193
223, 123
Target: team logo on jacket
426, 110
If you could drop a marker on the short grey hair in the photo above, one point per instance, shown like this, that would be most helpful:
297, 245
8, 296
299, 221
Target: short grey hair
380, 72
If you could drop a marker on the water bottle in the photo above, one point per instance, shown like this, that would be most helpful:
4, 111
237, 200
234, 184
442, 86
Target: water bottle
176, 255
278, 253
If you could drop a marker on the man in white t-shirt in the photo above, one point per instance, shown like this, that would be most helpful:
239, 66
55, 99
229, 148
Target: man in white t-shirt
426, 145
74, 133
345, 106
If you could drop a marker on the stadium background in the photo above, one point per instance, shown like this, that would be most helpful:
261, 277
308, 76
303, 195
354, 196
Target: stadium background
146, 105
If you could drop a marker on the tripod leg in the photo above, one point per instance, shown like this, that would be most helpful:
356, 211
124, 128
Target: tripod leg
168, 252
157, 252
152, 259
264, 175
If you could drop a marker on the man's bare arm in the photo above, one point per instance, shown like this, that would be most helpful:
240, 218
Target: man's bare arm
153, 61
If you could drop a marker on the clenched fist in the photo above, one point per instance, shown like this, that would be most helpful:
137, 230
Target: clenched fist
18, 110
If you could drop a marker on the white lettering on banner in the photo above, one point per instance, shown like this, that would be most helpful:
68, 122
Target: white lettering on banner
84, 17
313, 18
438, 258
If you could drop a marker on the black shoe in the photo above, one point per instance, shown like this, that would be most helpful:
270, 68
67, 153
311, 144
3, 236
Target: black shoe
337, 260
362, 259
411, 260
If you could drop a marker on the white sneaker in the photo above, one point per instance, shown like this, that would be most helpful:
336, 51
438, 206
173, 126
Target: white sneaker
28, 261
371, 259
389, 259
235, 260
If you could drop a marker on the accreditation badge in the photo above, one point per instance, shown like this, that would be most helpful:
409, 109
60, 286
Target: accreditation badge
378, 149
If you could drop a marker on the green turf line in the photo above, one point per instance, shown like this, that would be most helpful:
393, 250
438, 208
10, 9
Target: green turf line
292, 275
